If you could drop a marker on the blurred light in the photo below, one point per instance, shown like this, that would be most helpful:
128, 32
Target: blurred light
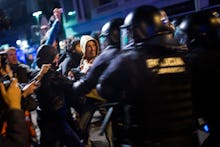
70, 13
37, 13
4, 46
23, 44
18, 42
21, 55
206, 128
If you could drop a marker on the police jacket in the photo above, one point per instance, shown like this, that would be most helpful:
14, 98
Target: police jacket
204, 63
153, 83
101, 62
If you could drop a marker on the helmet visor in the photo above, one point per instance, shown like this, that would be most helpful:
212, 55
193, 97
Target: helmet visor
180, 36
125, 37
103, 41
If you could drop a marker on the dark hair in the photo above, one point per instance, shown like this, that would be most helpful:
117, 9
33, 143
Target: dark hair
45, 55
3, 58
70, 44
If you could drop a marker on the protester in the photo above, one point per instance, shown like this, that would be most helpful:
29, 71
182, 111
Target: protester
54, 102
16, 134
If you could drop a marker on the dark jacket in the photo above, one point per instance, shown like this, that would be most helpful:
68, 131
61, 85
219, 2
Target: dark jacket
204, 63
54, 101
16, 133
152, 83
23, 72
101, 62
53, 93
72, 60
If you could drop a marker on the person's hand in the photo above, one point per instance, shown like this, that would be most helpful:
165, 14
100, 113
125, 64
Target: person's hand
12, 96
70, 75
44, 69
57, 13
85, 68
30, 88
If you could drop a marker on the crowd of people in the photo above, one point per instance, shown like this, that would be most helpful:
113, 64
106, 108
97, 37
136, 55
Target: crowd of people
144, 82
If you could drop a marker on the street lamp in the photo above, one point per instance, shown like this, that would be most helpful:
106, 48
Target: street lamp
71, 13
36, 28
37, 16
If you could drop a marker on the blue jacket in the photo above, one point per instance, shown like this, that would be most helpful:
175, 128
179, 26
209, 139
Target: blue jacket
52, 33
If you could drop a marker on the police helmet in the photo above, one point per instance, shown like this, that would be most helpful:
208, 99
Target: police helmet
110, 33
200, 27
144, 23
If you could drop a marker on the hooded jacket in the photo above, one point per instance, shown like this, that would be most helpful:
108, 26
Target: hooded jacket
84, 40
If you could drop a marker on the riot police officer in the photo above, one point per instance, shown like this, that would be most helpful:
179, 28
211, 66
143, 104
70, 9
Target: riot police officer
151, 81
110, 45
200, 32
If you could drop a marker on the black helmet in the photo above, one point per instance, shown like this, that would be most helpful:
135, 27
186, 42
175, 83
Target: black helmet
199, 28
110, 33
143, 23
